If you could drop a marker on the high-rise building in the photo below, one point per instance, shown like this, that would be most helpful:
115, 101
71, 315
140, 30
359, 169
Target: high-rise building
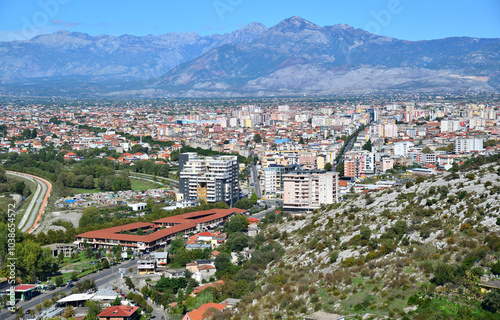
359, 163
305, 190
467, 145
273, 175
211, 179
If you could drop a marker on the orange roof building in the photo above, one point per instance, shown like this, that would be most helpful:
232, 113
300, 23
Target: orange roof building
204, 311
163, 230
120, 312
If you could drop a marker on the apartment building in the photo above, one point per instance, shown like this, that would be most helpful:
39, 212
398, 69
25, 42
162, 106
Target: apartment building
359, 163
305, 190
467, 145
273, 175
209, 179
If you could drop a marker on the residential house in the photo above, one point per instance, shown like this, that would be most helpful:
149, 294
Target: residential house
175, 273
146, 266
204, 311
120, 312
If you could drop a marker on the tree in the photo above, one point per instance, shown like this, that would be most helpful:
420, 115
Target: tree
116, 302
129, 283
236, 242
368, 145
174, 284
223, 263
254, 198
105, 263
94, 308
74, 256
340, 169
301, 141
426, 150
491, 301
328, 166
89, 183
257, 138
244, 204
365, 233
59, 281
400, 227
495, 268
443, 273
237, 223
68, 312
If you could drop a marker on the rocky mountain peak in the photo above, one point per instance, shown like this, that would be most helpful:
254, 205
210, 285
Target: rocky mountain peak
295, 24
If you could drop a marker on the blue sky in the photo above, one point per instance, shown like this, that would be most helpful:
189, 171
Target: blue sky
403, 19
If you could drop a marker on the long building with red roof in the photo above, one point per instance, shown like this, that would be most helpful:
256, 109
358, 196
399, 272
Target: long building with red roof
157, 234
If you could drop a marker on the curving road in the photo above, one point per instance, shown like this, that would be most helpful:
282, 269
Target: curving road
103, 278
34, 212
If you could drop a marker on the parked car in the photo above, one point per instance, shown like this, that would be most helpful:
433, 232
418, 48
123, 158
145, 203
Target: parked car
70, 285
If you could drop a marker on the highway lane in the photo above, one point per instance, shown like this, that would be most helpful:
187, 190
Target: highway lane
34, 212
256, 182
101, 279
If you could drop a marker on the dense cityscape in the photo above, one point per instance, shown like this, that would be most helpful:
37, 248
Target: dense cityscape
228, 159
134, 179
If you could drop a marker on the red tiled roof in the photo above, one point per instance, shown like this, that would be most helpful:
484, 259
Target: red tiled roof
206, 267
215, 253
118, 311
205, 234
217, 285
182, 223
204, 310
200, 216
24, 287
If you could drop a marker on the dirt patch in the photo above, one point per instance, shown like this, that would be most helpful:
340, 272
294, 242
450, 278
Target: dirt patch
72, 216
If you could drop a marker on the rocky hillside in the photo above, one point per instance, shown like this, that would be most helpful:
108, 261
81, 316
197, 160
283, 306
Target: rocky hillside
414, 252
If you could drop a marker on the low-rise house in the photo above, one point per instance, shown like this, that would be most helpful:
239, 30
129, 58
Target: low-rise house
204, 311
253, 230
119, 313
160, 257
146, 266
205, 272
175, 273
490, 285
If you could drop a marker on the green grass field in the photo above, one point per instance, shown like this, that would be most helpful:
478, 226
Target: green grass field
142, 185
4, 201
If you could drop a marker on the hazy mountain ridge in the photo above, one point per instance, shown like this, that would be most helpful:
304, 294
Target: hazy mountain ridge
296, 56
127, 57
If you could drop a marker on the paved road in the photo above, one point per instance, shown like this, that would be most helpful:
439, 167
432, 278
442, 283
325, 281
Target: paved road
34, 212
102, 279
256, 181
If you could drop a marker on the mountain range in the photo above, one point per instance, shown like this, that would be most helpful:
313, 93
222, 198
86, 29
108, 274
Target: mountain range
294, 57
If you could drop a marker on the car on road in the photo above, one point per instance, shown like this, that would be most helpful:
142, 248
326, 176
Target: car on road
27, 311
